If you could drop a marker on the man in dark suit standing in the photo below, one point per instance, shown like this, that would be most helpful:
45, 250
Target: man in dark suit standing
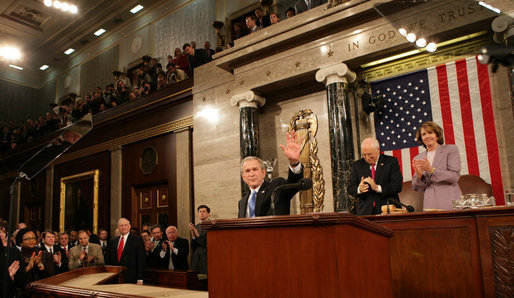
304, 5
177, 248
375, 177
127, 250
253, 172
153, 259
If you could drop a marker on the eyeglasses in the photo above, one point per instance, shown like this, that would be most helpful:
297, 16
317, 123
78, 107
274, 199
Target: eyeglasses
29, 238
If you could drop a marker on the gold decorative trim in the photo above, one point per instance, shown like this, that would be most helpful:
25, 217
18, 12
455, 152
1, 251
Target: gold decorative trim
423, 60
95, 174
131, 138
310, 200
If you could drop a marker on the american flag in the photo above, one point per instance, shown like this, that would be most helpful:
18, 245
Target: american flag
456, 96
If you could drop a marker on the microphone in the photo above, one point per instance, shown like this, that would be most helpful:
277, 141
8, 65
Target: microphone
302, 184
408, 207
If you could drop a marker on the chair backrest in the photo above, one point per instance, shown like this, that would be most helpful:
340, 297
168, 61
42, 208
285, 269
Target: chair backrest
409, 196
474, 184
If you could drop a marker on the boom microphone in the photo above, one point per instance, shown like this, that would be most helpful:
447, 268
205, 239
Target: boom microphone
302, 184
408, 207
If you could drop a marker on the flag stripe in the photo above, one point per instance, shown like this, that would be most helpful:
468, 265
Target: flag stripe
444, 99
398, 155
490, 133
458, 133
413, 152
467, 117
478, 120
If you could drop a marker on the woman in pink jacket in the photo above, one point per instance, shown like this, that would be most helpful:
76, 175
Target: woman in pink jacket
437, 170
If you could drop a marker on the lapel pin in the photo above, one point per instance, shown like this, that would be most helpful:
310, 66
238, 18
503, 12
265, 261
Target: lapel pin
381, 164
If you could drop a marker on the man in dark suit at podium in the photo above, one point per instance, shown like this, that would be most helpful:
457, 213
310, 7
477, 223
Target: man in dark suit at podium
127, 250
375, 177
253, 172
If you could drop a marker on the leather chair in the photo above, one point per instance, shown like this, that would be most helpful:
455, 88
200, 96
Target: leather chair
409, 196
474, 184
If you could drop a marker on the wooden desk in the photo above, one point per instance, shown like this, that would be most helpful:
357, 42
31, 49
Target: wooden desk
94, 282
317, 255
452, 253
180, 279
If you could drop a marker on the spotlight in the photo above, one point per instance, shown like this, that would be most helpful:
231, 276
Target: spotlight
57, 4
73, 9
65, 6
421, 42
431, 47
411, 37
402, 31
10, 53
48, 3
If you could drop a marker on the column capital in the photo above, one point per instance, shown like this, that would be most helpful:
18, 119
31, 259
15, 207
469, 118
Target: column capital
248, 99
335, 73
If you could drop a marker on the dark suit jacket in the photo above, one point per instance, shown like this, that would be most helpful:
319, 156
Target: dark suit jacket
266, 22
301, 6
64, 259
263, 200
153, 259
388, 175
180, 260
133, 257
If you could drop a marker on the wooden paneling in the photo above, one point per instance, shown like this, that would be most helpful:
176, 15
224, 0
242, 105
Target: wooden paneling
162, 179
320, 255
451, 254
100, 161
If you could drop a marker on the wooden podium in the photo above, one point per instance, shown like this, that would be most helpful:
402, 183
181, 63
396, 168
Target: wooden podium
312, 255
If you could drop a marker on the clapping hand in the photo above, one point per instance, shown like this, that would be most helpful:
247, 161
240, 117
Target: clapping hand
13, 269
293, 147
193, 230
57, 257
421, 165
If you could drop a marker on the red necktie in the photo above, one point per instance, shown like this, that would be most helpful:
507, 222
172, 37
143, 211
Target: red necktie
373, 171
120, 249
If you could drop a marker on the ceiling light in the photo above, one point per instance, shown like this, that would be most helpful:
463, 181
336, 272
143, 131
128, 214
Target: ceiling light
48, 3
431, 47
99, 32
10, 53
488, 6
136, 8
16, 66
421, 42
69, 51
411, 37
44, 67
65, 6
402, 31
73, 9
57, 4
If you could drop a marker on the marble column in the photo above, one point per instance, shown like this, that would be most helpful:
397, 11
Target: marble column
336, 78
248, 103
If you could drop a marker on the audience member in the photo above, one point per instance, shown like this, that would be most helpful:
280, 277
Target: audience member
85, 254
290, 12
54, 250
251, 24
373, 190
196, 57
174, 74
153, 259
180, 61
261, 19
175, 251
127, 250
103, 234
304, 5
199, 241
208, 50
274, 18
15, 276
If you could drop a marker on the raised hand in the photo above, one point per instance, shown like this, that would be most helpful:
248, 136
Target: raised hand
57, 257
363, 187
293, 147
193, 230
